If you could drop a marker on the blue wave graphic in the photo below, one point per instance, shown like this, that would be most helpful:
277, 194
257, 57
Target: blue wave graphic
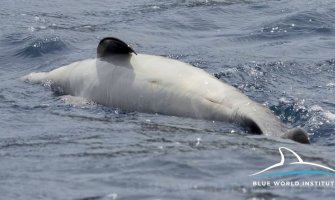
299, 172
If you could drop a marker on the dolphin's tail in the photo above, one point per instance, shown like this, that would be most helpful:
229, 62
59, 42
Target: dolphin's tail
35, 77
298, 135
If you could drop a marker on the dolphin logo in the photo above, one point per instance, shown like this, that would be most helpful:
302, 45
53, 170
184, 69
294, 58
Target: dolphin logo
323, 169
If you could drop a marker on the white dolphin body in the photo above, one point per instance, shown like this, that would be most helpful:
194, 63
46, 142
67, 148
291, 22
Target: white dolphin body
156, 84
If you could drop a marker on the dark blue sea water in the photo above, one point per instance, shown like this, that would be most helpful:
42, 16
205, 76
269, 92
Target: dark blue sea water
279, 52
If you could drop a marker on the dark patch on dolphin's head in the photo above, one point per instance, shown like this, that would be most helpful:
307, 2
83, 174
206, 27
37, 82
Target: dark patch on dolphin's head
298, 135
248, 124
251, 126
111, 46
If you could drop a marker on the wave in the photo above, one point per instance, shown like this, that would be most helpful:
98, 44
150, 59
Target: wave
39, 47
301, 24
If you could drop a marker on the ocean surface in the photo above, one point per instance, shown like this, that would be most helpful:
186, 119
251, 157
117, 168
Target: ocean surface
280, 53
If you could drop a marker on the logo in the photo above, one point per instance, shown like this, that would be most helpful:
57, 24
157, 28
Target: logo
318, 169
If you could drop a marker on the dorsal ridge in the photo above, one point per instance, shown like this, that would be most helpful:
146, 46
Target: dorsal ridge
110, 46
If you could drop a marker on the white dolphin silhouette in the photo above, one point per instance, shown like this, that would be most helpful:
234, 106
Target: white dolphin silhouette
300, 162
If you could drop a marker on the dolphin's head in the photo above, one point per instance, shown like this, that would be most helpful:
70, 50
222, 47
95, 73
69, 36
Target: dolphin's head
298, 135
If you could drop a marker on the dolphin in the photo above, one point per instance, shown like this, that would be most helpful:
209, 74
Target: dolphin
122, 78
322, 169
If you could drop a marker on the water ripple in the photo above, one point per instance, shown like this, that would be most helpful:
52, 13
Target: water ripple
301, 24
39, 47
